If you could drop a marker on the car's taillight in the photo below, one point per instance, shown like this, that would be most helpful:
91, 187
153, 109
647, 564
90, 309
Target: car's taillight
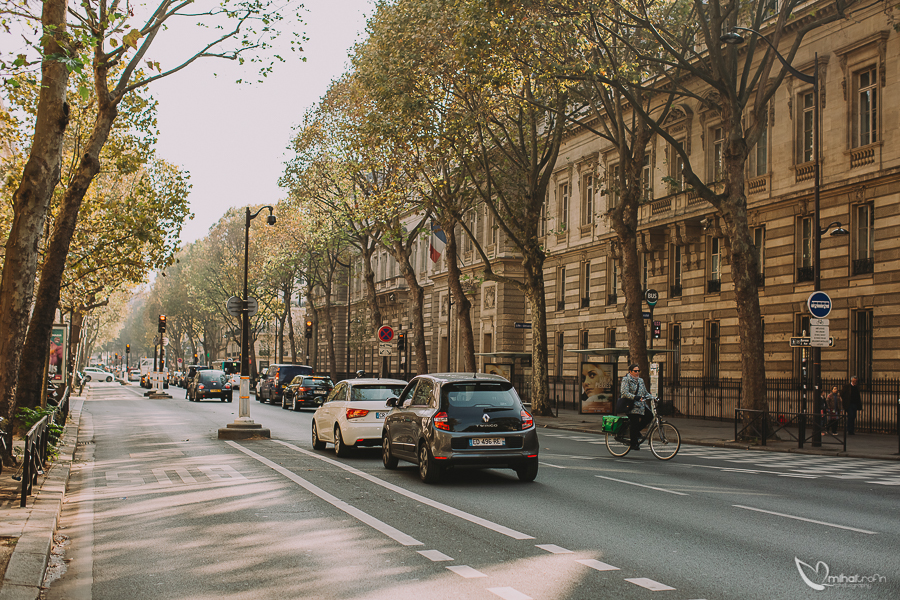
303, 389
356, 413
200, 386
441, 421
527, 420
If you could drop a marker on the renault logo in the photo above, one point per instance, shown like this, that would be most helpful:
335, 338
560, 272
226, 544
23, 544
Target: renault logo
486, 417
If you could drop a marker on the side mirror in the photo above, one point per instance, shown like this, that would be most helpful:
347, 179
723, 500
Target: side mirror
392, 401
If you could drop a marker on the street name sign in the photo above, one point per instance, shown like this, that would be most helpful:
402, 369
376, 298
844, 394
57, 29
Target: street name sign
523, 325
804, 342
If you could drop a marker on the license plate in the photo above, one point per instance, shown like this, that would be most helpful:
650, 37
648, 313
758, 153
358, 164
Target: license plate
320, 392
215, 390
486, 442
380, 415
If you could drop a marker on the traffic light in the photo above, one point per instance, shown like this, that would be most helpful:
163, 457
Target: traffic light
127, 348
309, 328
162, 323
195, 358
401, 342
657, 330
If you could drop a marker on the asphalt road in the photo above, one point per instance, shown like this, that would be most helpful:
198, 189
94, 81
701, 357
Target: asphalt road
158, 507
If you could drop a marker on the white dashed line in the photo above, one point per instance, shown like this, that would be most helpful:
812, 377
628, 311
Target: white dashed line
508, 593
553, 548
596, 564
434, 555
649, 487
466, 571
649, 584
796, 518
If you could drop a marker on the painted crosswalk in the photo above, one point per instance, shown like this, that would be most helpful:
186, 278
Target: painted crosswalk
800, 466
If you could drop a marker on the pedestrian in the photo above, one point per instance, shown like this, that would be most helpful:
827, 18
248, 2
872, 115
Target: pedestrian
852, 403
833, 409
639, 416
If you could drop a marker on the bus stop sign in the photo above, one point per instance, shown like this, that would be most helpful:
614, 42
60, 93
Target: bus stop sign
819, 304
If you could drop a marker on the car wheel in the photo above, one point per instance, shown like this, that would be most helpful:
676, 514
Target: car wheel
283, 405
294, 406
389, 460
428, 470
317, 444
87, 377
340, 448
528, 471
108, 379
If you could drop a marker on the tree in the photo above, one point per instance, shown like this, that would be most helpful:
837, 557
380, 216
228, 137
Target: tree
116, 73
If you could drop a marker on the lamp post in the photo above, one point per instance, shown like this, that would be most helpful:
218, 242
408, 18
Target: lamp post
734, 38
349, 266
243, 426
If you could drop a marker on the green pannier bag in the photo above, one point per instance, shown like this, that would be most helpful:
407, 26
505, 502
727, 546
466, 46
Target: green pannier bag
613, 423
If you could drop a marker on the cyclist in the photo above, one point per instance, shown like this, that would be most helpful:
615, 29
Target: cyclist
639, 416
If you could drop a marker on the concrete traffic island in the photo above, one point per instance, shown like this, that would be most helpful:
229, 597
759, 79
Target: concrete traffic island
244, 431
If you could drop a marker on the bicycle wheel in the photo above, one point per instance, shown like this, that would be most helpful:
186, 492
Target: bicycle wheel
664, 441
618, 444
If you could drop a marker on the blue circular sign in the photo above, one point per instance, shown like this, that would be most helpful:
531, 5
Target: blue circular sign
819, 304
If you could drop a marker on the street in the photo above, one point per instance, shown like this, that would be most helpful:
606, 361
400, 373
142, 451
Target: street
158, 507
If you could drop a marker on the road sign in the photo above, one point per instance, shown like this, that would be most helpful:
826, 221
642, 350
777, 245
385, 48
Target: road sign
646, 314
385, 333
818, 336
818, 322
523, 325
385, 349
233, 305
819, 304
652, 297
165, 340
803, 342
252, 306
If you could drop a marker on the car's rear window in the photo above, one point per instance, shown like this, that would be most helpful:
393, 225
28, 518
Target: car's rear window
287, 373
360, 393
487, 394
211, 376
317, 382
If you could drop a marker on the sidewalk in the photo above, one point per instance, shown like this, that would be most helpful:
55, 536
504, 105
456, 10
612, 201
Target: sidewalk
29, 530
721, 433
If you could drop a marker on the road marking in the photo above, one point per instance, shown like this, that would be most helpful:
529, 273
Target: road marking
434, 555
516, 535
553, 549
466, 571
121, 478
554, 466
391, 532
777, 514
508, 593
649, 487
649, 584
596, 564
162, 476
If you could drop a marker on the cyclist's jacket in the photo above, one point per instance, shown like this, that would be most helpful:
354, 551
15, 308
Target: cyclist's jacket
633, 388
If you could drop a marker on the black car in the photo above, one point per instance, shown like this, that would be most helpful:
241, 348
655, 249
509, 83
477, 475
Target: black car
306, 391
271, 389
448, 420
189, 374
210, 383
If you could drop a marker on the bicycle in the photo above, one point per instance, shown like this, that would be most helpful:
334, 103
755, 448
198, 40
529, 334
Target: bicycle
664, 437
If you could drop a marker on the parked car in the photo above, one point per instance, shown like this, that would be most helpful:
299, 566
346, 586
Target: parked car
97, 374
279, 375
353, 414
448, 420
210, 383
134, 375
306, 391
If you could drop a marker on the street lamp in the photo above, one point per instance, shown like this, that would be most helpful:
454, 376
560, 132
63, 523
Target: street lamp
349, 266
734, 38
243, 426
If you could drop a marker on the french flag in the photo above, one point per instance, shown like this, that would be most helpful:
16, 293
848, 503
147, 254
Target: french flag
438, 241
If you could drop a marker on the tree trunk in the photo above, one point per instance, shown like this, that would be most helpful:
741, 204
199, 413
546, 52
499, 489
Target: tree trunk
290, 325
540, 376
30, 204
461, 300
418, 296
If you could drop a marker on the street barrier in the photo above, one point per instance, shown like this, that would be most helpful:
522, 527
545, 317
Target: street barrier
766, 425
37, 441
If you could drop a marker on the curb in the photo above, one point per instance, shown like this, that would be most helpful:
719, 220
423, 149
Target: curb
744, 446
25, 573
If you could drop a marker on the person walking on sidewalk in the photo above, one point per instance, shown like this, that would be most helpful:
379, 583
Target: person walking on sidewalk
852, 403
833, 410
639, 416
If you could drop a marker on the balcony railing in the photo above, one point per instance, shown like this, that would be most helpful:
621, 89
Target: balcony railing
611, 299
713, 286
585, 302
560, 305
675, 291
863, 266
806, 274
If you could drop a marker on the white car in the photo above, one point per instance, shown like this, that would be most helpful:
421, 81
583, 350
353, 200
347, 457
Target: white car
97, 374
353, 414
134, 375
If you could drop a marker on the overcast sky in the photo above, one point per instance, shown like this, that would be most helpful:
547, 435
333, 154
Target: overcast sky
233, 138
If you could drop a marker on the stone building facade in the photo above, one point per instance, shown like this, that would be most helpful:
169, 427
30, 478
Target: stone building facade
683, 251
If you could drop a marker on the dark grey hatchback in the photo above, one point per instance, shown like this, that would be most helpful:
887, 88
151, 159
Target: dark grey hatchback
448, 420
